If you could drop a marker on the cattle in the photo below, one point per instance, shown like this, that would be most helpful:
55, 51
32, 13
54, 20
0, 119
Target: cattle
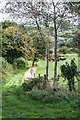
52, 57
62, 59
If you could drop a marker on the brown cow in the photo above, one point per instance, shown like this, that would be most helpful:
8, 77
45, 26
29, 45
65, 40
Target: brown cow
62, 59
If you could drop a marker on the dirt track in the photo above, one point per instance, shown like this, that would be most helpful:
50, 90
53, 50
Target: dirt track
30, 73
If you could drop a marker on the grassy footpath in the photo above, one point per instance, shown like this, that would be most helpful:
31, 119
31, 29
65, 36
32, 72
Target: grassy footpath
18, 105
16, 80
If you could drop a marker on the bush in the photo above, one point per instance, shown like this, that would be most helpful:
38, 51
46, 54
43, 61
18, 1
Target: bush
69, 71
18, 91
6, 69
64, 50
38, 94
33, 83
19, 63
74, 50
48, 95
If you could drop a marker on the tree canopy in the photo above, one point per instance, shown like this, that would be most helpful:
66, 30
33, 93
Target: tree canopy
16, 44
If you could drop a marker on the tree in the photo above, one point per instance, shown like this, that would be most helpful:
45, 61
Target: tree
8, 23
74, 8
16, 44
69, 72
39, 44
41, 13
55, 15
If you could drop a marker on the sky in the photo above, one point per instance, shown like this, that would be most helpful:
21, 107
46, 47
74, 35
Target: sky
4, 16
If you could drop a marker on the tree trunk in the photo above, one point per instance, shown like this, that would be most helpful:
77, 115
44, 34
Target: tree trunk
34, 60
44, 82
55, 85
47, 62
70, 86
73, 85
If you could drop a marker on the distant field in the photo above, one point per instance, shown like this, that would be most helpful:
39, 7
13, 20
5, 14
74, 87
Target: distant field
42, 65
41, 68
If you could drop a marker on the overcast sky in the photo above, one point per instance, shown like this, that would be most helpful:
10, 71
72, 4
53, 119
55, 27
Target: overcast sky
4, 16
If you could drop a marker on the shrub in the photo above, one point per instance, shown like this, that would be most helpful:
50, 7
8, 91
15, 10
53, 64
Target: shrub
35, 82
19, 63
64, 50
7, 69
3, 63
27, 87
75, 50
47, 96
18, 91
38, 94
69, 71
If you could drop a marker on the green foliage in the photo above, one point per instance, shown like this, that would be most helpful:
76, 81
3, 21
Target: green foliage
64, 44
7, 23
42, 64
69, 72
16, 44
48, 96
65, 25
74, 7
19, 63
76, 39
41, 95
39, 44
17, 91
55, 104
64, 50
41, 41
6, 70
74, 50
16, 103
35, 82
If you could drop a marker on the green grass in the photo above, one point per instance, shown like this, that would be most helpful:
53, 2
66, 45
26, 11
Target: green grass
41, 69
17, 78
16, 104
42, 65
